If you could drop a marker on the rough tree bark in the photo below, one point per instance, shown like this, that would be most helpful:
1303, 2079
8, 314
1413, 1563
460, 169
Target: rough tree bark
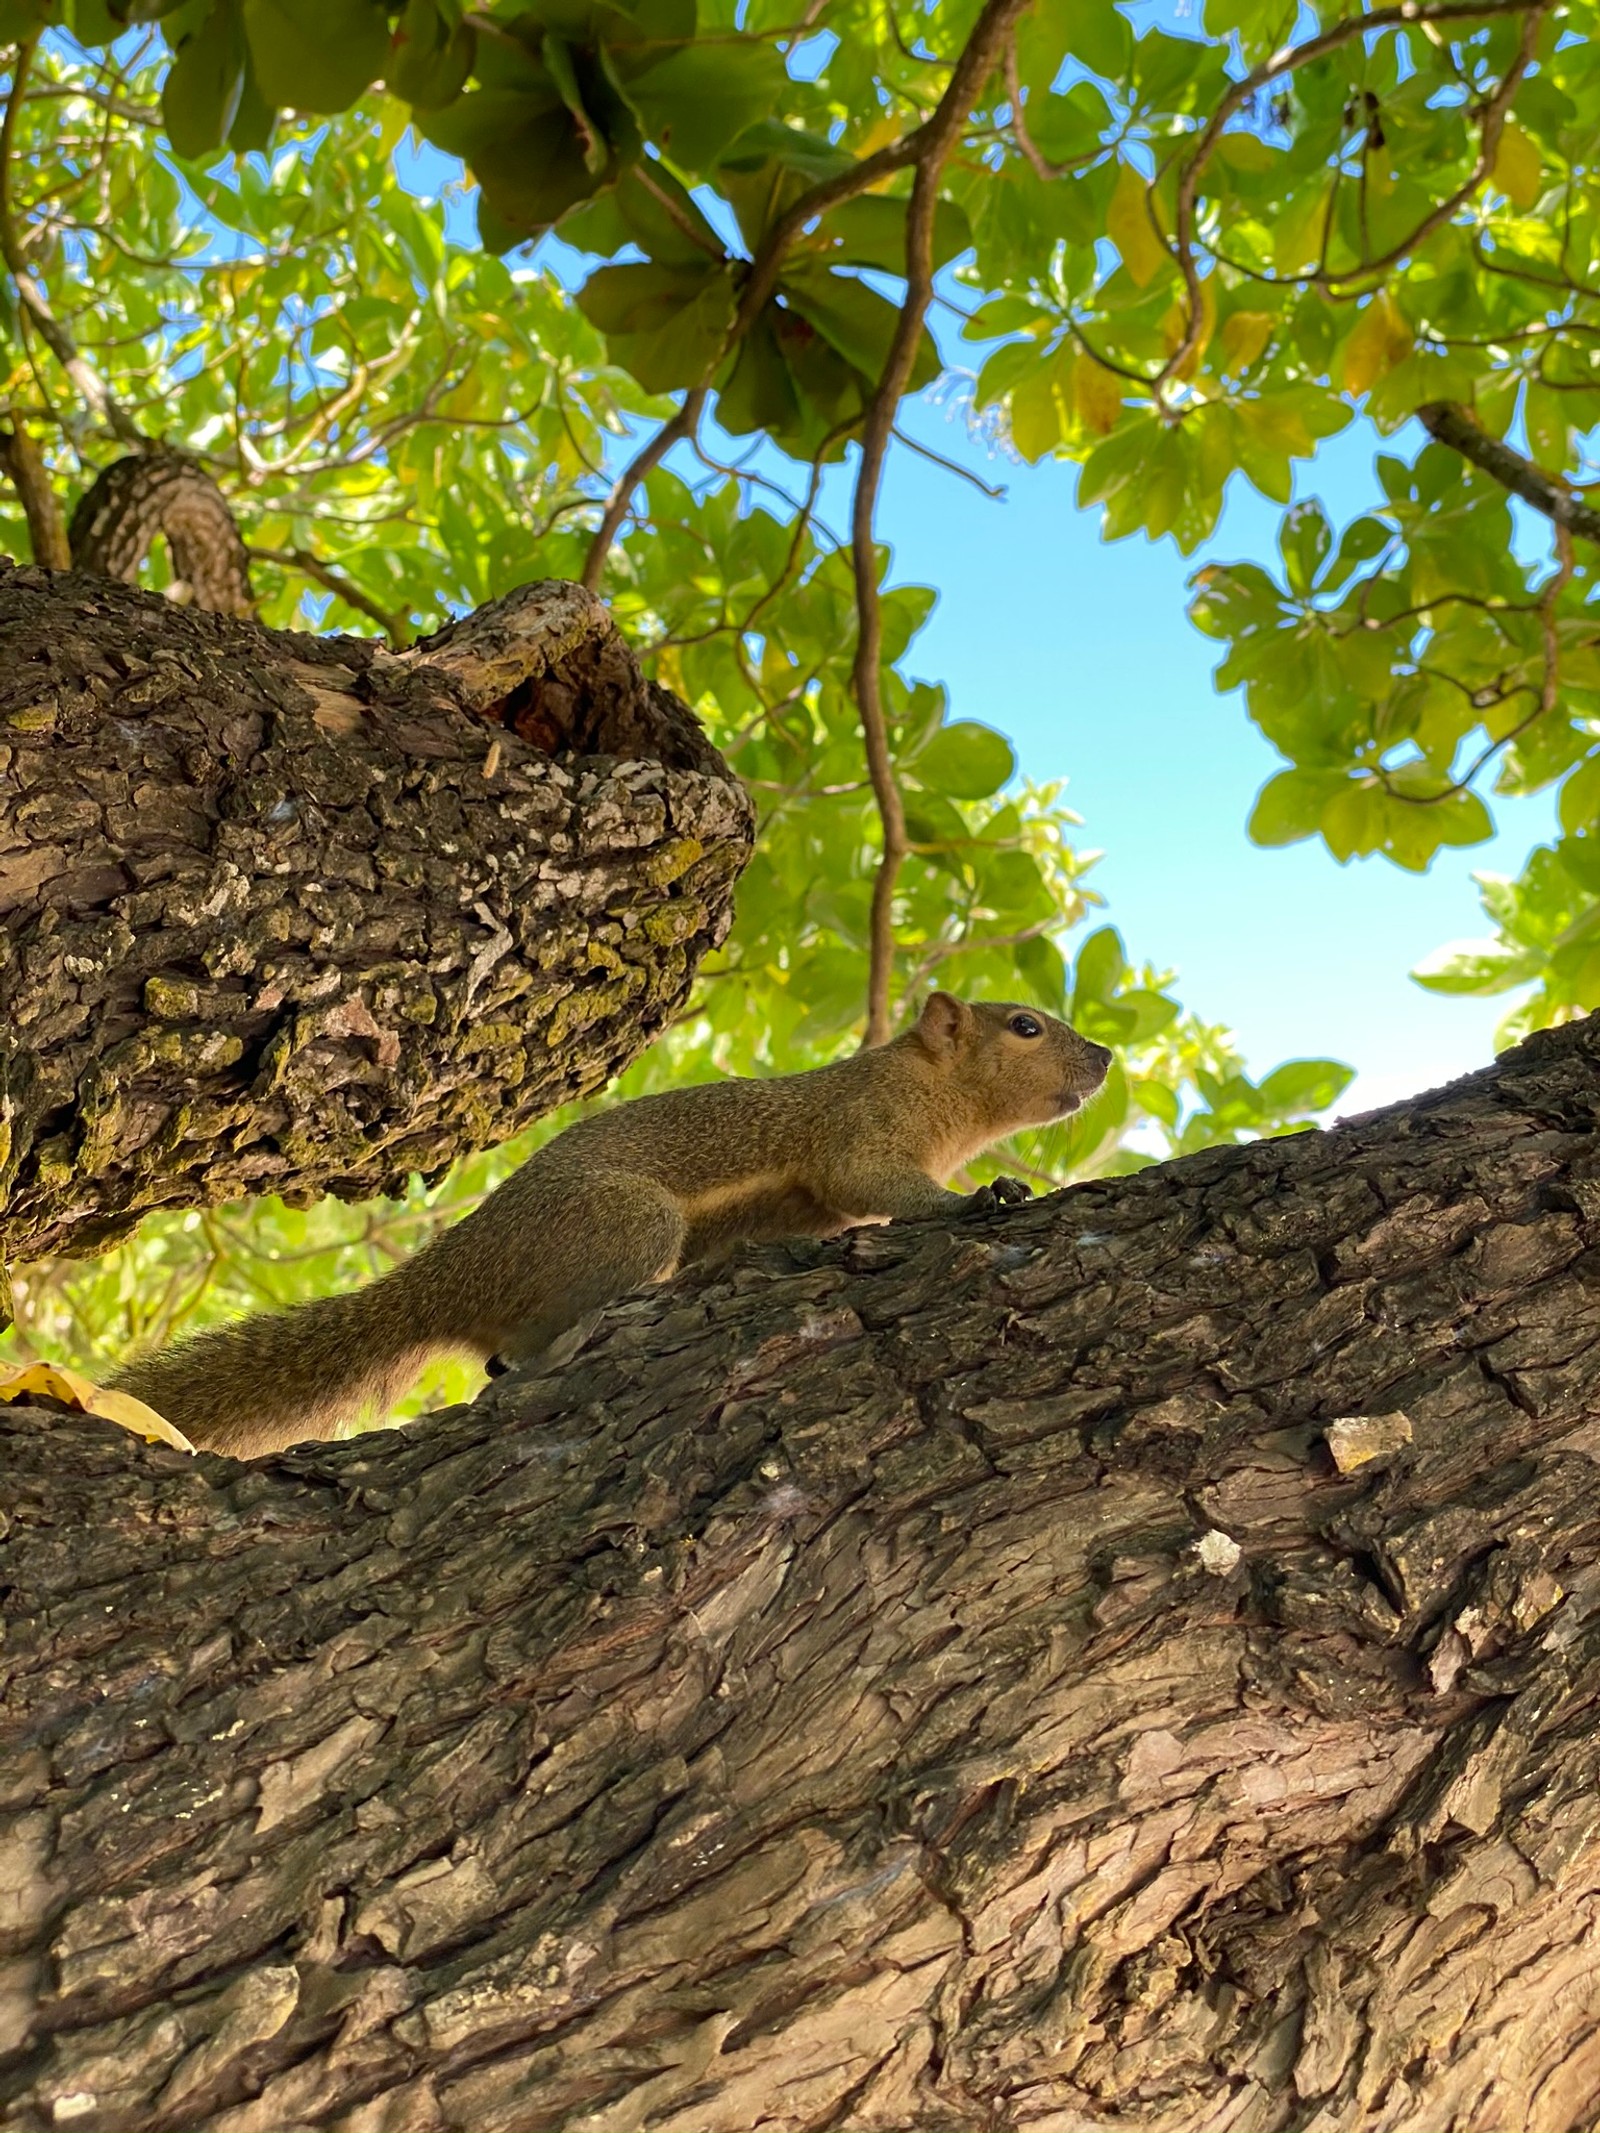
1127, 1661
293, 914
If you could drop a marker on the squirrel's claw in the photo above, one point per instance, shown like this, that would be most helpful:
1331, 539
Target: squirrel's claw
1003, 1192
1011, 1190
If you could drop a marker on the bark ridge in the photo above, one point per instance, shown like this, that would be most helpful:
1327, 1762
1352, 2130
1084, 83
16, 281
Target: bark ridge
1130, 1661
292, 914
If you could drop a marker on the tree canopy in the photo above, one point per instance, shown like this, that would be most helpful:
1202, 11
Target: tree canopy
1177, 252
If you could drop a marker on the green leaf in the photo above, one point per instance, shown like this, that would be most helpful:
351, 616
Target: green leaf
1088, 30
523, 148
316, 55
966, 760
1463, 819
1041, 408
1290, 806
1545, 415
1477, 967
21, 20
1156, 1099
92, 23
254, 119
1579, 805
430, 56
760, 391
1363, 539
664, 325
648, 207
1115, 462
558, 58
1304, 539
200, 96
1303, 1085
871, 232
698, 101
1100, 969
857, 321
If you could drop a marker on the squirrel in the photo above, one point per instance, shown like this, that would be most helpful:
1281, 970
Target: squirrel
627, 1197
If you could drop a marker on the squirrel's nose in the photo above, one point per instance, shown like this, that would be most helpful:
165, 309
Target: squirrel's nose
1102, 1052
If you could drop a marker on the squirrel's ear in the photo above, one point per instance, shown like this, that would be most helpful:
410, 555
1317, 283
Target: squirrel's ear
942, 1021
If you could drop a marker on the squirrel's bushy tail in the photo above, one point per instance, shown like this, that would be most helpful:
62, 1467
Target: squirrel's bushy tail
282, 1376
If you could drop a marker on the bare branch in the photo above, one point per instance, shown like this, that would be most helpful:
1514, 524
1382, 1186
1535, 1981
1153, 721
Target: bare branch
995, 491
644, 462
1286, 60
1454, 426
92, 388
26, 470
935, 141
395, 627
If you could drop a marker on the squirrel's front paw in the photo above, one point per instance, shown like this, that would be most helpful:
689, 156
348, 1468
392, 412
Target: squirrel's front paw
1002, 1193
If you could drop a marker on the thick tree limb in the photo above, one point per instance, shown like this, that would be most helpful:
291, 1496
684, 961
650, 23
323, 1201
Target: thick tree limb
1455, 426
159, 492
292, 914
1132, 1662
24, 467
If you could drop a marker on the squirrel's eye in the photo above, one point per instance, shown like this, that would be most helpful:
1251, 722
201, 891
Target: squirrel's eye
1025, 1026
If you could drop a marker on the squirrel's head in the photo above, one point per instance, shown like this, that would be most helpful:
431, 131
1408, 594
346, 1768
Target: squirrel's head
1025, 1067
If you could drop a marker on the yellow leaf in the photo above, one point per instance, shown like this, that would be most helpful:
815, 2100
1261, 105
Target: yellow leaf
1175, 325
1098, 396
1244, 335
56, 1383
1130, 228
1297, 239
1247, 151
1037, 410
1518, 170
1381, 339
884, 129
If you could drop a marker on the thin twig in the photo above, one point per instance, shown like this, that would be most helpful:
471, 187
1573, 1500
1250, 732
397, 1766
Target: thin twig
394, 627
644, 462
1041, 163
1284, 61
92, 388
996, 491
936, 139
1549, 686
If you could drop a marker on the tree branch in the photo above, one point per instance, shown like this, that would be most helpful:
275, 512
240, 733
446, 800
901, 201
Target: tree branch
644, 462
936, 135
1454, 426
936, 139
395, 627
92, 388
1042, 165
26, 470
1284, 61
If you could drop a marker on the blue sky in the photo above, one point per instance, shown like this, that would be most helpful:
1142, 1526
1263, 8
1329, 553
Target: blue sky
1082, 654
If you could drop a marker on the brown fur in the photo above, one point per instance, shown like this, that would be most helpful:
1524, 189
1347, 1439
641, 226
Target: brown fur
627, 1197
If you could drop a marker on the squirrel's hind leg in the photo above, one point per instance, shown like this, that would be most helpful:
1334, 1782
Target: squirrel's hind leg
600, 1239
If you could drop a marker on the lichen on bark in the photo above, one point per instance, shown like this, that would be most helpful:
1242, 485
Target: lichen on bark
1130, 1661
292, 914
